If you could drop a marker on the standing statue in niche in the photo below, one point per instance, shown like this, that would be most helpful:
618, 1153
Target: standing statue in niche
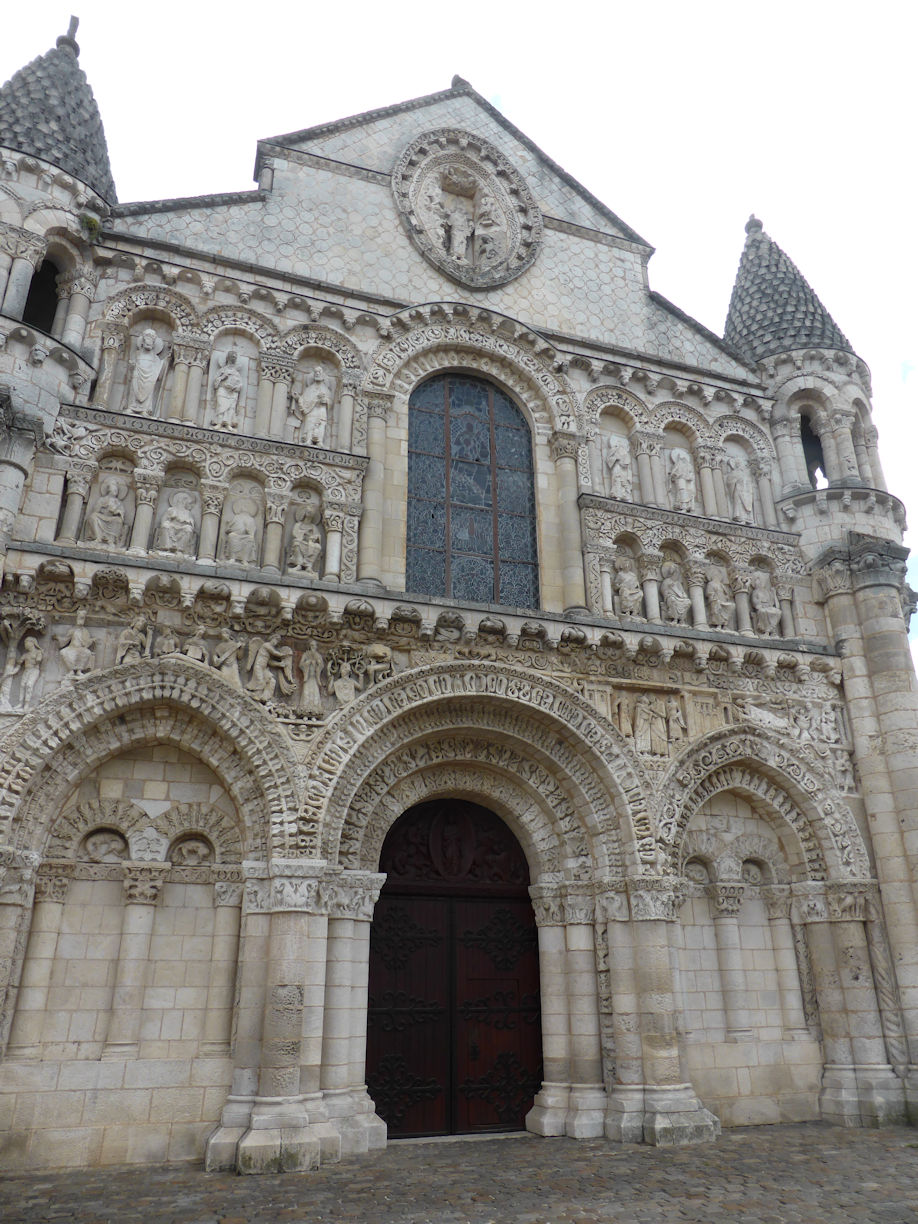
176, 532
148, 365
739, 491
766, 611
675, 720
240, 543
618, 469
271, 665
228, 387
77, 647
719, 601
682, 482
673, 598
305, 542
107, 524
628, 589
313, 408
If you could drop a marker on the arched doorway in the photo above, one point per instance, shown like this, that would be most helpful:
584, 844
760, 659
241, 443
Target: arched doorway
454, 1043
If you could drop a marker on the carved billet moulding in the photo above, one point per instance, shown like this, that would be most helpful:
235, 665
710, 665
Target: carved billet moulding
466, 208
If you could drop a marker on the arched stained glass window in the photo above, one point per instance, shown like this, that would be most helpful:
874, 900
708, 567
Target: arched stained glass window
471, 506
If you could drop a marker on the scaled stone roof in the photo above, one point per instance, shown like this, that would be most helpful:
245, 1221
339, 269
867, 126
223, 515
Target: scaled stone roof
772, 308
48, 109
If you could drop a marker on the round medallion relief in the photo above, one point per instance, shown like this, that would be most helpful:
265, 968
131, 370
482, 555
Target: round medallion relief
466, 208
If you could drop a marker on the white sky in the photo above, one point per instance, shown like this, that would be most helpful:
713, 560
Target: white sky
682, 117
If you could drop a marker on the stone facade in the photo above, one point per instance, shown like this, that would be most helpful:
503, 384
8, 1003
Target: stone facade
219, 691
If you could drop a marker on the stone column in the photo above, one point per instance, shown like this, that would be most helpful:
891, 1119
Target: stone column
789, 448
146, 485
842, 422
351, 897
625, 1107
63, 305
80, 476
861, 587
587, 1100
672, 1112
784, 590
832, 462
221, 984
212, 506
26, 250
369, 549
82, 284
333, 522
649, 565
871, 438
549, 1112
143, 884
708, 460
196, 356
276, 503
280, 374
17, 885
727, 899
51, 885
114, 341
344, 427
645, 446
564, 454
608, 597
288, 1129
264, 395
697, 578
740, 584
762, 477
777, 900
21, 434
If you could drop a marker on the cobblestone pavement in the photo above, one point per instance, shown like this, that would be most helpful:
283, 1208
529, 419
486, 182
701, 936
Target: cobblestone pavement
805, 1174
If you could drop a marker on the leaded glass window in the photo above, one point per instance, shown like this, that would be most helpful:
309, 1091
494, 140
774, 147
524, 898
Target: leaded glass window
471, 507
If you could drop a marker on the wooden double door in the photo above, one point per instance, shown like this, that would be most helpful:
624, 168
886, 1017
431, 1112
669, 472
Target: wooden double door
454, 1043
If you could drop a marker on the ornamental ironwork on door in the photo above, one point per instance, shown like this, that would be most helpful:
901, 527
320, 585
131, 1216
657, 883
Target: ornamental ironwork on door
454, 1042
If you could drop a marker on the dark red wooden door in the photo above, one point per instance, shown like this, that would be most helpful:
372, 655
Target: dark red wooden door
454, 1042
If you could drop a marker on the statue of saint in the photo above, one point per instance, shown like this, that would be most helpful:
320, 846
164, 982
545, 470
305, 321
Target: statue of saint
148, 365
673, 598
134, 642
739, 491
618, 468
313, 408
240, 543
76, 647
682, 482
107, 524
766, 611
305, 542
719, 601
177, 532
195, 647
628, 588
228, 388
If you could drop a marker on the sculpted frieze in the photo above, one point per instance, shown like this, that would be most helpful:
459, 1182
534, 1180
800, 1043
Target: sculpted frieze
466, 208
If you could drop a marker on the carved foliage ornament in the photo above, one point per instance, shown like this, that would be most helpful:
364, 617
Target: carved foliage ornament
466, 208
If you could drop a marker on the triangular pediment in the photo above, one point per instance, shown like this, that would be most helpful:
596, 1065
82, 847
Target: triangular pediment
375, 141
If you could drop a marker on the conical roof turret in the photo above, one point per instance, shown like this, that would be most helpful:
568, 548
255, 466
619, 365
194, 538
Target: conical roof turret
48, 109
772, 308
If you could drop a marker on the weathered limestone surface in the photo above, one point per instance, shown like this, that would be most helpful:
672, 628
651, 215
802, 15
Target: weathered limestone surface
231, 657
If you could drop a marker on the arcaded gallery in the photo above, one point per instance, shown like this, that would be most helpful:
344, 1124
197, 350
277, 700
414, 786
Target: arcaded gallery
443, 688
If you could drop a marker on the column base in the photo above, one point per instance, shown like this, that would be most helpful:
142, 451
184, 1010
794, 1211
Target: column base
548, 1115
673, 1117
352, 1113
869, 1096
910, 1086
586, 1111
281, 1150
624, 1121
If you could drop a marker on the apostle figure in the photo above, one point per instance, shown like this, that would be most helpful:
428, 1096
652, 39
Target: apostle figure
134, 642
177, 531
228, 388
739, 491
240, 544
719, 601
271, 664
305, 542
673, 598
313, 408
766, 611
107, 522
76, 647
682, 482
628, 589
618, 468
148, 365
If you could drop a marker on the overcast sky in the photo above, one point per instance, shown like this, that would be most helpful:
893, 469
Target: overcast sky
682, 117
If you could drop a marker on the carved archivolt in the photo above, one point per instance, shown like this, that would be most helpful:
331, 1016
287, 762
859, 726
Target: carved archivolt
540, 719
518, 799
756, 436
203, 819
399, 365
600, 398
757, 763
104, 714
72, 825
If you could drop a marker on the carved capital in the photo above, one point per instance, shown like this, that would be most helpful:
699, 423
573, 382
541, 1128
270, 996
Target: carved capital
579, 905
114, 336
647, 443
548, 904
833, 577
709, 455
846, 901
147, 484
653, 898
212, 497
351, 380
353, 894
777, 898
649, 564
17, 877
378, 405
612, 902
53, 881
563, 446
741, 582
333, 519
80, 475
276, 368
190, 349
83, 280
727, 899
22, 244
276, 507
143, 882
228, 893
